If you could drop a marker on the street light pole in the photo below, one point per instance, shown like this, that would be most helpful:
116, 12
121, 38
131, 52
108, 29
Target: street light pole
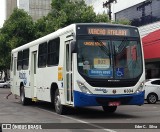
108, 5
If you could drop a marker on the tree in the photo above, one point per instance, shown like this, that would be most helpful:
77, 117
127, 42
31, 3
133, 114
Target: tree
16, 31
66, 12
122, 21
18, 28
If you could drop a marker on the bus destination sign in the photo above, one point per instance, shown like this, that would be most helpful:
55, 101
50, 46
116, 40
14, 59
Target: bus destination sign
107, 31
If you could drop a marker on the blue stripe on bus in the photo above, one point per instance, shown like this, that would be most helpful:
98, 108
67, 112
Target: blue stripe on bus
82, 99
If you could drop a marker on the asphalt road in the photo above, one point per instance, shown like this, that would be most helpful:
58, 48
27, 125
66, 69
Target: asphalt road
90, 119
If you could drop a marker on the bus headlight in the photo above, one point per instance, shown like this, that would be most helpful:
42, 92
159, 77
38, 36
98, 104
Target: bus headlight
140, 88
83, 88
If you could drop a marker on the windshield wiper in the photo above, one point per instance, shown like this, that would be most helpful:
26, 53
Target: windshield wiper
101, 46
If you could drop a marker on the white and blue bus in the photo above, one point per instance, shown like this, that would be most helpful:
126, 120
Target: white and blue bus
85, 64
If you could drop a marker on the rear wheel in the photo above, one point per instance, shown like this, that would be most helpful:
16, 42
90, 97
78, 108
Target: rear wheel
59, 108
152, 98
109, 109
23, 99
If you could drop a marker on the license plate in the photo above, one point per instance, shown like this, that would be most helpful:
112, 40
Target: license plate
114, 104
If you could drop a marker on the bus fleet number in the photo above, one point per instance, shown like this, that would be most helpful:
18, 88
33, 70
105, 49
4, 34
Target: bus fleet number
128, 91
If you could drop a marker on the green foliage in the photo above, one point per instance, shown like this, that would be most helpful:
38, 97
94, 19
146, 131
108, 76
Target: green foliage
122, 21
16, 31
19, 26
102, 18
66, 12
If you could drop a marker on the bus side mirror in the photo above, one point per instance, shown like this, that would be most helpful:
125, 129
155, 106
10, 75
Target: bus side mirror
73, 46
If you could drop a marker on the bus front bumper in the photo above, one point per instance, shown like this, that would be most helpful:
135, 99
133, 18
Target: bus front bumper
82, 99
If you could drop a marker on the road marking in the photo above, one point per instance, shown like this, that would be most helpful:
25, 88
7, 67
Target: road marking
81, 121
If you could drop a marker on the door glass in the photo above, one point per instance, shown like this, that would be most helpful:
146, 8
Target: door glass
67, 57
35, 63
15, 66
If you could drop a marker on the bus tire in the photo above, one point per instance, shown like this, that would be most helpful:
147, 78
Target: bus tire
109, 109
59, 108
23, 99
152, 98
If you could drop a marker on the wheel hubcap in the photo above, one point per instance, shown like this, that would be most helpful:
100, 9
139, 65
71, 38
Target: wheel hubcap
22, 96
57, 103
152, 98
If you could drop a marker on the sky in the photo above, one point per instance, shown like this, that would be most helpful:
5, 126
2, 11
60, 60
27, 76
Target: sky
97, 4
120, 5
2, 12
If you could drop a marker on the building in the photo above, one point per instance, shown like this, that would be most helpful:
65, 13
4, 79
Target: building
35, 8
145, 14
10, 5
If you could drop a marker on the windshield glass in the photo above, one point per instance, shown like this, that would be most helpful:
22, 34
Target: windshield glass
109, 58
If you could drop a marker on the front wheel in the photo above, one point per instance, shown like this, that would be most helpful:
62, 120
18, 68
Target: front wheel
23, 99
59, 108
152, 98
109, 109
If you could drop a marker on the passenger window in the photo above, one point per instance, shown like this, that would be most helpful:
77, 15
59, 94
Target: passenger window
53, 52
25, 62
19, 61
42, 55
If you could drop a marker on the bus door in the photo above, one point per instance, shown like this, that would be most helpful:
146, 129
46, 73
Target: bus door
33, 75
68, 74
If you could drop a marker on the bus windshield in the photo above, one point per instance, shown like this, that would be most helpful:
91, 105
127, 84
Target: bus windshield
113, 58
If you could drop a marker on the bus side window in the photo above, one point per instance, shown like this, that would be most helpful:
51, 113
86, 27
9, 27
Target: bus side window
42, 55
25, 62
53, 52
19, 60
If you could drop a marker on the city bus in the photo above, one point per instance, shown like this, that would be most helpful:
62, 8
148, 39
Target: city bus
81, 65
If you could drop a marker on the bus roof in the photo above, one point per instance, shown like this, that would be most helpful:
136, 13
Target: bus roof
45, 38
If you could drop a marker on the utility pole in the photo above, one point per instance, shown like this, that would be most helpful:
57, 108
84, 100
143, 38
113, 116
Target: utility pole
142, 8
108, 5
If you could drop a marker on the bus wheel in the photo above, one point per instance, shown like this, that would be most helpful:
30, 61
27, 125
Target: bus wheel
59, 108
109, 109
23, 99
